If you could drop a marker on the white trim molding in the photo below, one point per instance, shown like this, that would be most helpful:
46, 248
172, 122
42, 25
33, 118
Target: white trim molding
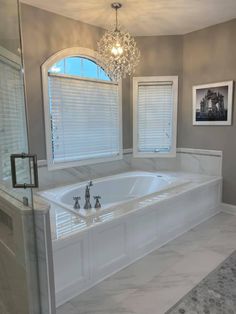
190, 151
155, 79
228, 208
10, 55
197, 151
70, 52
127, 151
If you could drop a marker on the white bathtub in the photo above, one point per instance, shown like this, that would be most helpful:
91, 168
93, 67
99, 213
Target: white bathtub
141, 211
113, 190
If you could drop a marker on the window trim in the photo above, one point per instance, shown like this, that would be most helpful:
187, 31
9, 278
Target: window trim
66, 53
10, 56
144, 79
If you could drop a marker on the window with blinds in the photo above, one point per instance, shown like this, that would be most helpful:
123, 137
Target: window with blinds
12, 116
84, 118
155, 116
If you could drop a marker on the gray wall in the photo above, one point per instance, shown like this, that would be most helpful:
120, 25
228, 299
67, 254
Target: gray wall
200, 57
209, 55
204, 56
44, 34
160, 55
9, 26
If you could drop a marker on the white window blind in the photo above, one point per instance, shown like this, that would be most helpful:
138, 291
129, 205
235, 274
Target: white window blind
155, 120
13, 137
84, 117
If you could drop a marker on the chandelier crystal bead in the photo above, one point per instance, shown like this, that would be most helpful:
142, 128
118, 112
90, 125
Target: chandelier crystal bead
118, 51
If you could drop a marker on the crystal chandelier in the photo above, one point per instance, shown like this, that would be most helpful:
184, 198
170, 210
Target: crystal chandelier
118, 51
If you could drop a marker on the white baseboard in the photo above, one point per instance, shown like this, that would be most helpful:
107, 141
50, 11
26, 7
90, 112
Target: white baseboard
228, 208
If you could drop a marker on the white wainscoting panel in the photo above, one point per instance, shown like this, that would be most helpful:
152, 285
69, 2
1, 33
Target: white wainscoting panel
109, 248
228, 208
71, 265
143, 231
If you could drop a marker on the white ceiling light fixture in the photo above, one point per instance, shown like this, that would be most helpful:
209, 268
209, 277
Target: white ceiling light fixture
118, 51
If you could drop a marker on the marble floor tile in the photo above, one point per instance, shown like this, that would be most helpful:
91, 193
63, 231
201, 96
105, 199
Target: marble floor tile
66, 308
198, 263
156, 282
213, 295
158, 295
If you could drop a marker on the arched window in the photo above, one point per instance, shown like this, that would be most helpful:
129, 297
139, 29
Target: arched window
79, 66
82, 108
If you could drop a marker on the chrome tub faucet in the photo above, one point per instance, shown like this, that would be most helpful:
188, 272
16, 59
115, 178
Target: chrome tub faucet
87, 204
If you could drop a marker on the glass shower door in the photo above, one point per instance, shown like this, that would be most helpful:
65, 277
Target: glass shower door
13, 122
19, 287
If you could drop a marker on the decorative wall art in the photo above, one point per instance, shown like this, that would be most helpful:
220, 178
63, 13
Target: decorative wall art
212, 104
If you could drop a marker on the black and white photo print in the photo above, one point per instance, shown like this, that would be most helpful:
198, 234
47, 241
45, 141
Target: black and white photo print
212, 104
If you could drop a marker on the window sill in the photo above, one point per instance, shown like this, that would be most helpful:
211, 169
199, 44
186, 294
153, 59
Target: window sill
71, 164
154, 155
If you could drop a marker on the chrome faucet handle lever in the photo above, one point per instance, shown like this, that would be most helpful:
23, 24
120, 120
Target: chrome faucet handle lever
76, 199
97, 204
90, 183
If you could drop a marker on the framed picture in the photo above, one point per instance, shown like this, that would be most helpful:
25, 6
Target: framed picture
212, 104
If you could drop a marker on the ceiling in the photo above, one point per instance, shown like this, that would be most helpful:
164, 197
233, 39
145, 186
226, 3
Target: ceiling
145, 17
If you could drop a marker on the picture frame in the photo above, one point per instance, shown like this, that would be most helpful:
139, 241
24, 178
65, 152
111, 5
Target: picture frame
212, 103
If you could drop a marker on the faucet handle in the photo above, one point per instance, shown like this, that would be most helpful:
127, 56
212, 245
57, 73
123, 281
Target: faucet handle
76, 199
90, 183
97, 204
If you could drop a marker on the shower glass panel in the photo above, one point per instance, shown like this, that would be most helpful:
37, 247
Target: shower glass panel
13, 127
19, 284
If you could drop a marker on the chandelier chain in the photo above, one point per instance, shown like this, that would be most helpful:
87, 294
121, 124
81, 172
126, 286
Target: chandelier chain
116, 18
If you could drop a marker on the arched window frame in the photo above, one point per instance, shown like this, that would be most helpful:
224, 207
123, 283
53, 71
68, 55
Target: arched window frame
66, 53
